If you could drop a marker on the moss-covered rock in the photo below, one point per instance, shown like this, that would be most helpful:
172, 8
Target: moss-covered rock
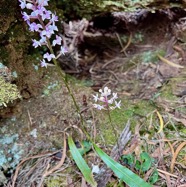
89, 9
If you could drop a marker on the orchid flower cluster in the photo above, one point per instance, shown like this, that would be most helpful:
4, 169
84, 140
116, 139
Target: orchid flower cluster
42, 21
105, 102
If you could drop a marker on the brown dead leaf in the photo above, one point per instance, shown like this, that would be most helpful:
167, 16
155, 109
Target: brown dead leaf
70, 182
175, 155
156, 153
168, 181
169, 62
161, 122
149, 173
134, 144
180, 51
183, 121
56, 167
83, 183
158, 150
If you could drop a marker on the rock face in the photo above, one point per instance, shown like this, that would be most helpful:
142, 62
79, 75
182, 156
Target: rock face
7, 15
16, 52
20, 74
89, 9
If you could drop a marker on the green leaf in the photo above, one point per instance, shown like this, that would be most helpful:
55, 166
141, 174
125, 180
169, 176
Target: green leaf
122, 172
146, 161
138, 165
82, 165
154, 177
128, 159
85, 147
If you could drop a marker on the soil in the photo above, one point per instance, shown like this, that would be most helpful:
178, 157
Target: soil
122, 55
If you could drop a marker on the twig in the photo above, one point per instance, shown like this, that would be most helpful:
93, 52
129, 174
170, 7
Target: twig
23, 161
120, 42
30, 119
167, 173
48, 172
128, 43
94, 126
168, 181
176, 154
75, 127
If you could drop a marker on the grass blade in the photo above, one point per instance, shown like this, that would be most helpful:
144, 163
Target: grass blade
80, 162
169, 62
122, 172
161, 121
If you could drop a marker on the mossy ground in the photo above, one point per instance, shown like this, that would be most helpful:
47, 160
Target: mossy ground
53, 111
130, 110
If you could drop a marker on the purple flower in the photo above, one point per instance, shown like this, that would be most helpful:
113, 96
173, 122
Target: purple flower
22, 4
46, 15
43, 2
43, 40
54, 18
36, 43
26, 17
49, 56
35, 27
42, 21
63, 50
57, 40
29, 6
43, 63
49, 30
38, 11
46, 33
53, 28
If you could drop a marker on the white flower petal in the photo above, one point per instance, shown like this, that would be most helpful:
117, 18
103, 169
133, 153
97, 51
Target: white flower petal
118, 104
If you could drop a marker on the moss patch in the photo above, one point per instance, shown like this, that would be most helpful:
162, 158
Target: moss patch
130, 110
56, 181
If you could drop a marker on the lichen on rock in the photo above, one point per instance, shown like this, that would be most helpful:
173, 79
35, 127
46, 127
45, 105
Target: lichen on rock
8, 92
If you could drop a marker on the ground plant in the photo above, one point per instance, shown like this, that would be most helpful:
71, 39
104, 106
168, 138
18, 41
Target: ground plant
43, 21
92, 93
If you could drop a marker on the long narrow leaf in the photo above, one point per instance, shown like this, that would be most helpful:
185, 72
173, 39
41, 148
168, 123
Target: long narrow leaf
122, 172
161, 121
82, 165
169, 62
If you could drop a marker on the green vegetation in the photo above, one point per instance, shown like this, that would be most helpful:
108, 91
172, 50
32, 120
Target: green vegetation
88, 9
144, 164
130, 111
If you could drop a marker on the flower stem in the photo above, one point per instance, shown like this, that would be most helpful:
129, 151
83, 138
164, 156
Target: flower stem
114, 130
41, 16
69, 90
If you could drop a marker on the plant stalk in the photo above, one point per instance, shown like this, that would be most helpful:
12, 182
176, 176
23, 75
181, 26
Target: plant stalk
114, 130
69, 90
